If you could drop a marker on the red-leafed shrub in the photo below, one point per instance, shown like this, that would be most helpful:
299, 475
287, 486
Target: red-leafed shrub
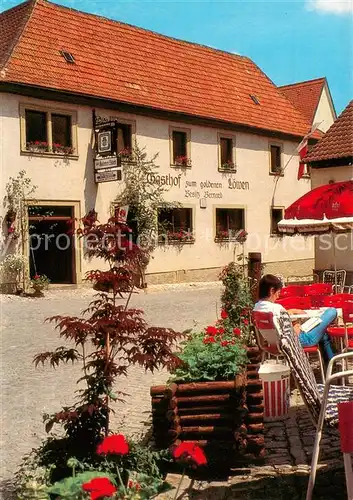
107, 339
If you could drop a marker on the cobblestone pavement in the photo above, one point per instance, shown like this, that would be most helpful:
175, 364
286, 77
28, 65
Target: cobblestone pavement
28, 392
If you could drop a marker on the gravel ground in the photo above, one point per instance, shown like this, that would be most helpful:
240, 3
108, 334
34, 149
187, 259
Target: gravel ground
28, 392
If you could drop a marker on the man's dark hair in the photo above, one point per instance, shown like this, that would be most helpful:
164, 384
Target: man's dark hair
266, 283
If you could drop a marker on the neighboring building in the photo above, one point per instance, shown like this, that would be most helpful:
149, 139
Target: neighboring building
236, 131
331, 160
314, 101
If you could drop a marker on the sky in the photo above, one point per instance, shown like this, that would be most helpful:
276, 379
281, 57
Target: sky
290, 40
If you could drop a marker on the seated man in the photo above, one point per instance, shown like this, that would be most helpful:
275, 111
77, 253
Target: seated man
269, 291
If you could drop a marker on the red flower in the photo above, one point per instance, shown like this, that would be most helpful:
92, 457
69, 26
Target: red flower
237, 331
225, 343
245, 321
99, 487
115, 445
211, 330
221, 331
190, 453
133, 486
224, 314
36, 277
209, 340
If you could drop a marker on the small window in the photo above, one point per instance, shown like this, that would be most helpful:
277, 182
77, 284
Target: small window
276, 159
307, 171
228, 222
254, 99
175, 225
277, 215
67, 56
226, 153
36, 127
180, 148
124, 139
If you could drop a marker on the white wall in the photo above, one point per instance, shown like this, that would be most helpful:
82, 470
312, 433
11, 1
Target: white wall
325, 114
73, 180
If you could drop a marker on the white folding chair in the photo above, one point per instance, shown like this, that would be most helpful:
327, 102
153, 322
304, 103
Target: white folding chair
330, 377
333, 277
345, 426
320, 399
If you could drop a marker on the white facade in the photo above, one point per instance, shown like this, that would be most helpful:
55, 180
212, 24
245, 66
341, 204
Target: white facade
325, 113
69, 181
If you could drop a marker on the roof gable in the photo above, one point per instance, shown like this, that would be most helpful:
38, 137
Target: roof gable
337, 143
127, 64
305, 96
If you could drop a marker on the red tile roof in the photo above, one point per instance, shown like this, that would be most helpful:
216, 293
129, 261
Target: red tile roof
338, 140
127, 64
305, 96
12, 24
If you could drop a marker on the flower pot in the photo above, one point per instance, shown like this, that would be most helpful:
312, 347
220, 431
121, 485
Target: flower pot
224, 415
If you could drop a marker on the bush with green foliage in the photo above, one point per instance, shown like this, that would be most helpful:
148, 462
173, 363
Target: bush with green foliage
217, 353
237, 300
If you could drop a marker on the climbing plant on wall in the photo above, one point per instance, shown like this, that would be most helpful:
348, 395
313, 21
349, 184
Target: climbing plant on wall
144, 193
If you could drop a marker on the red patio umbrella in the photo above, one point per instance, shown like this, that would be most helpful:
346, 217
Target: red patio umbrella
322, 210
325, 209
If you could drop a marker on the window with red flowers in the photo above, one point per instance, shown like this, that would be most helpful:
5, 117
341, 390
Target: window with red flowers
180, 147
48, 131
175, 225
228, 222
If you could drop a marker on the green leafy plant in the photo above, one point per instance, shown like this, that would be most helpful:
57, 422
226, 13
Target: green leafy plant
144, 194
106, 340
217, 353
237, 300
40, 281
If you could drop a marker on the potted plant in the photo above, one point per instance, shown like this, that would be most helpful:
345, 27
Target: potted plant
215, 396
37, 146
228, 165
183, 161
39, 283
10, 268
125, 154
180, 236
62, 150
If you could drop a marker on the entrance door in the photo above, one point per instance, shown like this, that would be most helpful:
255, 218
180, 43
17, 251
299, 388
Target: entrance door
51, 243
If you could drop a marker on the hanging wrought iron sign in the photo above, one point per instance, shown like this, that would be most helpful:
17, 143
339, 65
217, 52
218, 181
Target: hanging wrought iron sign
106, 161
107, 175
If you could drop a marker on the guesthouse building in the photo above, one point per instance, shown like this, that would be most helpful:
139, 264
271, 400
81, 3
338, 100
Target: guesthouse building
226, 138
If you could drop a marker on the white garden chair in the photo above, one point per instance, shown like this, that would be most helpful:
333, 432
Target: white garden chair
337, 279
345, 420
320, 399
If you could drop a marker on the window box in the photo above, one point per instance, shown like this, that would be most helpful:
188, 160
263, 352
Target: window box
126, 155
37, 147
182, 161
228, 166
